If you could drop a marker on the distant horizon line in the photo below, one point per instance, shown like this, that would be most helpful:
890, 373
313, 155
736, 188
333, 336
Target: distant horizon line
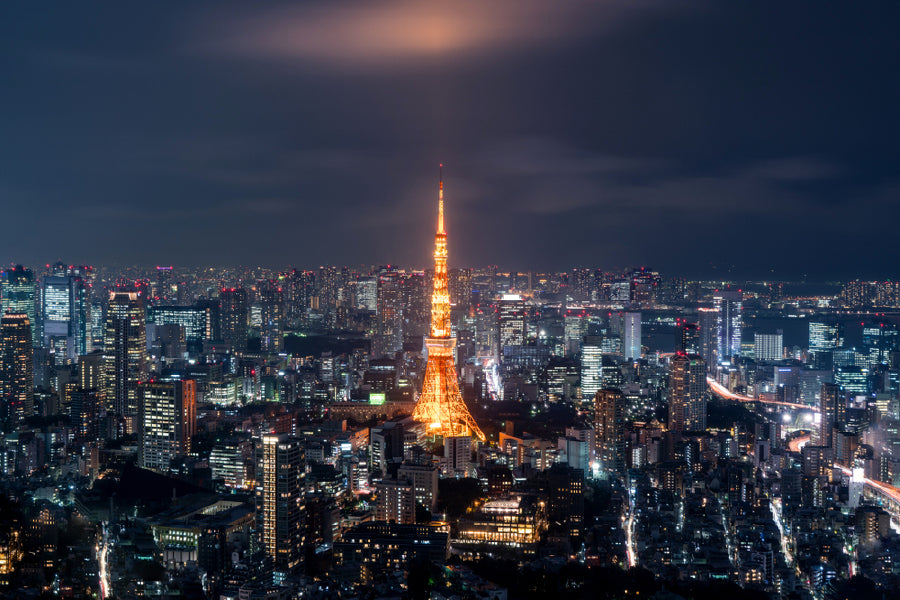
375, 267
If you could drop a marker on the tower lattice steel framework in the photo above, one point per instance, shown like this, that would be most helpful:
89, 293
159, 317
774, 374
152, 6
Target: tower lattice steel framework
440, 404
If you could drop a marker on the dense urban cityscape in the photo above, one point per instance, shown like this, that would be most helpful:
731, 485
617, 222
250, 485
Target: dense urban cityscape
469, 300
379, 432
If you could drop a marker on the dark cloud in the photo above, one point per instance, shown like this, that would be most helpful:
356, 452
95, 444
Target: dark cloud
685, 136
395, 34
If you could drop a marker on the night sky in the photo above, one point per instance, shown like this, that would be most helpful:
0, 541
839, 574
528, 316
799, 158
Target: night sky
753, 138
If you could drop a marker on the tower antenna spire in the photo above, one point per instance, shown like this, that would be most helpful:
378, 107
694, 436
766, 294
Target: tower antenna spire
441, 198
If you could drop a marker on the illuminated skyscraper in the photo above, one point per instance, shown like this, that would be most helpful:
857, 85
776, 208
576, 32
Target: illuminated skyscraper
440, 404
17, 295
511, 313
389, 338
65, 314
367, 294
166, 288
197, 321
16, 370
687, 393
729, 323
87, 408
824, 337
270, 298
768, 347
168, 420
609, 425
126, 355
631, 335
512, 320
688, 338
591, 366
460, 287
880, 340
832, 413
708, 335
574, 324
281, 508
234, 315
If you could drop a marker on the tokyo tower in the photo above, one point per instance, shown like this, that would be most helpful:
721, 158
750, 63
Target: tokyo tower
440, 404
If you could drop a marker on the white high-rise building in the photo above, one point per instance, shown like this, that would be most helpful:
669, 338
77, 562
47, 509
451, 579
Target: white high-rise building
367, 294
511, 316
824, 337
768, 347
458, 453
729, 323
631, 335
591, 366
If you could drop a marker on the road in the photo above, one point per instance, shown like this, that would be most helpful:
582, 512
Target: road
796, 444
720, 390
888, 490
101, 558
629, 531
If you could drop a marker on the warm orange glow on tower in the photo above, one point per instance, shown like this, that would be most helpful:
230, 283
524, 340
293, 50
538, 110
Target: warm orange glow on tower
440, 403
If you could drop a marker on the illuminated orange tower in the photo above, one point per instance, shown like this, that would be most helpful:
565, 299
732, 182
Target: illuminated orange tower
440, 403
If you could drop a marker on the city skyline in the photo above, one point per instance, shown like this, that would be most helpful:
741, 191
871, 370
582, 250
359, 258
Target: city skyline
652, 350
583, 140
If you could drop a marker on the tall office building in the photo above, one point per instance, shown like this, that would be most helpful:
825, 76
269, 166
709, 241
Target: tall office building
460, 287
281, 509
168, 420
609, 425
416, 304
591, 366
327, 285
687, 338
709, 350
389, 314
65, 315
631, 335
166, 287
687, 393
729, 323
18, 295
125, 355
235, 318
86, 407
832, 414
511, 315
197, 321
90, 371
16, 368
367, 293
270, 299
880, 340
852, 379
574, 324
768, 347
824, 337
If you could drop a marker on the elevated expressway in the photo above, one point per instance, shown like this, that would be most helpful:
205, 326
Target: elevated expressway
888, 493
